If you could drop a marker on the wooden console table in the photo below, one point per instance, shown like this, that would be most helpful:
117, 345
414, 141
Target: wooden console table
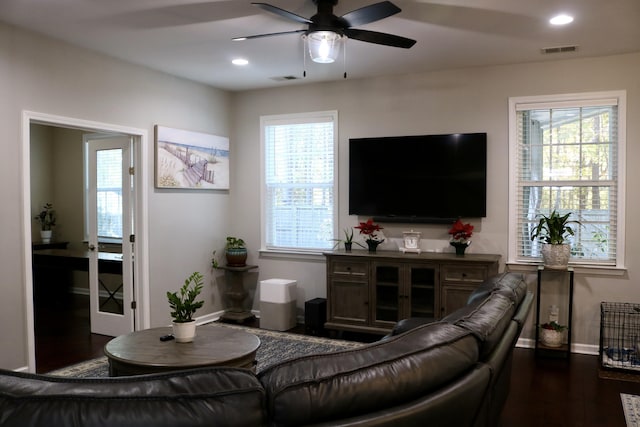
370, 292
237, 294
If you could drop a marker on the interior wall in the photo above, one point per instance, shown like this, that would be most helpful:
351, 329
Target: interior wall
46, 76
463, 100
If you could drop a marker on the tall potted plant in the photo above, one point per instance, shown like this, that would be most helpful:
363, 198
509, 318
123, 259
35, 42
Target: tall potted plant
184, 305
553, 231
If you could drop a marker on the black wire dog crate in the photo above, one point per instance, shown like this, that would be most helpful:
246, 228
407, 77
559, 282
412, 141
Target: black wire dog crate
620, 336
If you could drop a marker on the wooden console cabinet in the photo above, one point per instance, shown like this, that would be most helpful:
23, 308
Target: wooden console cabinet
370, 292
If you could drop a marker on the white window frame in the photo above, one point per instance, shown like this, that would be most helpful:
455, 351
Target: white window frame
568, 100
296, 118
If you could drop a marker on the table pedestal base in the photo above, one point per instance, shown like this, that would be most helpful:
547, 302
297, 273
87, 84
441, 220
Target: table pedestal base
237, 294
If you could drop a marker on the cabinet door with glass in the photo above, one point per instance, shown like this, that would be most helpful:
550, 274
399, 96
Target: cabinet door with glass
422, 289
388, 293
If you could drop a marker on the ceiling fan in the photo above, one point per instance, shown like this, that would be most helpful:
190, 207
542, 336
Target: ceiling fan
325, 30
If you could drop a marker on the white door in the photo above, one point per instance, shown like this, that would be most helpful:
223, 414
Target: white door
109, 188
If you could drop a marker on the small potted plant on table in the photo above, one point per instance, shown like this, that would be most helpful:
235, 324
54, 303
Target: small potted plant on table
184, 305
47, 220
348, 240
551, 334
236, 252
553, 231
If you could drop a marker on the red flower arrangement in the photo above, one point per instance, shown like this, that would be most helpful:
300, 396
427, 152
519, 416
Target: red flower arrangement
369, 229
460, 232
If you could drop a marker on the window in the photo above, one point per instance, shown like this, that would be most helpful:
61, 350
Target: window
299, 182
109, 194
567, 155
106, 157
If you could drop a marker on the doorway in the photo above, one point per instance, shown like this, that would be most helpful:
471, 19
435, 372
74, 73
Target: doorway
77, 233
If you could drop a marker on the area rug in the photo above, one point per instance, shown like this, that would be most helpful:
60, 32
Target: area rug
274, 347
631, 408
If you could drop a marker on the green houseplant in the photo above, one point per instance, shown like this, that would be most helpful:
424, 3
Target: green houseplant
348, 239
47, 220
236, 252
553, 231
183, 306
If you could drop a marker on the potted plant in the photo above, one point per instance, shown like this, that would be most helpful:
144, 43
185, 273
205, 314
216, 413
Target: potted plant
47, 220
236, 252
184, 305
553, 231
460, 234
348, 239
551, 334
369, 229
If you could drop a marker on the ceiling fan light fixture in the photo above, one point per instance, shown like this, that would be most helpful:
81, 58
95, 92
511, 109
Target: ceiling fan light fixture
324, 46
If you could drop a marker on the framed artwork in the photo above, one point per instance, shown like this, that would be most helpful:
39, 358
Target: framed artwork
193, 160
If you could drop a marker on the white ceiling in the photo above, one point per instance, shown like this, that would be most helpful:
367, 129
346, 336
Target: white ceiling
192, 39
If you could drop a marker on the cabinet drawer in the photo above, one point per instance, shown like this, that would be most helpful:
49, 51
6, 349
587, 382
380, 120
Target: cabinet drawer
350, 269
464, 273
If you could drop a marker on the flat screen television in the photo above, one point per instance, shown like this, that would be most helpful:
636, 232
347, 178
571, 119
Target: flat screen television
418, 179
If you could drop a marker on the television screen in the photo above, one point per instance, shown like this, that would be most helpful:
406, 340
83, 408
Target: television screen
427, 178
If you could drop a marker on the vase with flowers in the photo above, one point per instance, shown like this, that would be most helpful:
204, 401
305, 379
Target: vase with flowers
369, 230
460, 234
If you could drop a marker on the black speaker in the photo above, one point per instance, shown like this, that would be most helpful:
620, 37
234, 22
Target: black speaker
315, 314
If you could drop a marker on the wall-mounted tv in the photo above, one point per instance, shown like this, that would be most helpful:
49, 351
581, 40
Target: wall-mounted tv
418, 179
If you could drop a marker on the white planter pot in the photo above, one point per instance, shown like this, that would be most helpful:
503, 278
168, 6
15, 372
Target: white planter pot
556, 256
45, 236
184, 331
551, 338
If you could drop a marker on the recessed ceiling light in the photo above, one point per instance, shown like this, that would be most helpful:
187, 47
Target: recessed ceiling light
562, 19
239, 61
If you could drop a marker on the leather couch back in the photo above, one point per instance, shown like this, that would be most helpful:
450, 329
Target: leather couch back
388, 373
203, 397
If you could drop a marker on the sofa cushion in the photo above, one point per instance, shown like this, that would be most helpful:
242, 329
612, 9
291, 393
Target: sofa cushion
511, 285
486, 319
330, 386
231, 397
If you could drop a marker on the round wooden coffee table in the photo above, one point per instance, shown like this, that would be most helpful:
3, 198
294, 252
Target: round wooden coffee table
142, 352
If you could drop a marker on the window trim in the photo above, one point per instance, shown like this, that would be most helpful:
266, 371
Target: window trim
572, 99
293, 118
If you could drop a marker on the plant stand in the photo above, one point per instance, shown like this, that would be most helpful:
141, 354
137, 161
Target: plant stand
237, 294
564, 349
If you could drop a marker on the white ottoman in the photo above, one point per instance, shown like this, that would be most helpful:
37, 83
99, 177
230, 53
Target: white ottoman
278, 304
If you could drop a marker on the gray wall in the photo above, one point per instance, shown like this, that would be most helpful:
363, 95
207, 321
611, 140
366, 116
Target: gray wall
468, 100
45, 76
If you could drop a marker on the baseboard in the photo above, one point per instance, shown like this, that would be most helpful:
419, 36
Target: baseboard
589, 349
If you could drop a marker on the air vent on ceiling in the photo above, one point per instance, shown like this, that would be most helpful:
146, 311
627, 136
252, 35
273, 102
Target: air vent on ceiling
284, 78
559, 49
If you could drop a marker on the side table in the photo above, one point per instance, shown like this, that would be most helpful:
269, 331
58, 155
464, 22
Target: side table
237, 294
563, 350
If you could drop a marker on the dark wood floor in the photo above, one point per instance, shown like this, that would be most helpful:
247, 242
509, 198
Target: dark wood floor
544, 392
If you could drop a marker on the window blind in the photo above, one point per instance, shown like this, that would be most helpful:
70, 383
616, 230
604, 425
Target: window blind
109, 193
299, 182
567, 160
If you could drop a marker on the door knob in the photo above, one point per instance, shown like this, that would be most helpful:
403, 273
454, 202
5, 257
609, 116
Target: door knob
92, 247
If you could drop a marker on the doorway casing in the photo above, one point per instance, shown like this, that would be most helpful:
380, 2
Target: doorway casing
142, 314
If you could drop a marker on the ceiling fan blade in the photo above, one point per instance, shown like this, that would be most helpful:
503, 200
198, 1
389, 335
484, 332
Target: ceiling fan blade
371, 13
379, 38
258, 36
283, 13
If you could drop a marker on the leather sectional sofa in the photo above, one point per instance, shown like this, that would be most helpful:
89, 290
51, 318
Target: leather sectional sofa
452, 372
